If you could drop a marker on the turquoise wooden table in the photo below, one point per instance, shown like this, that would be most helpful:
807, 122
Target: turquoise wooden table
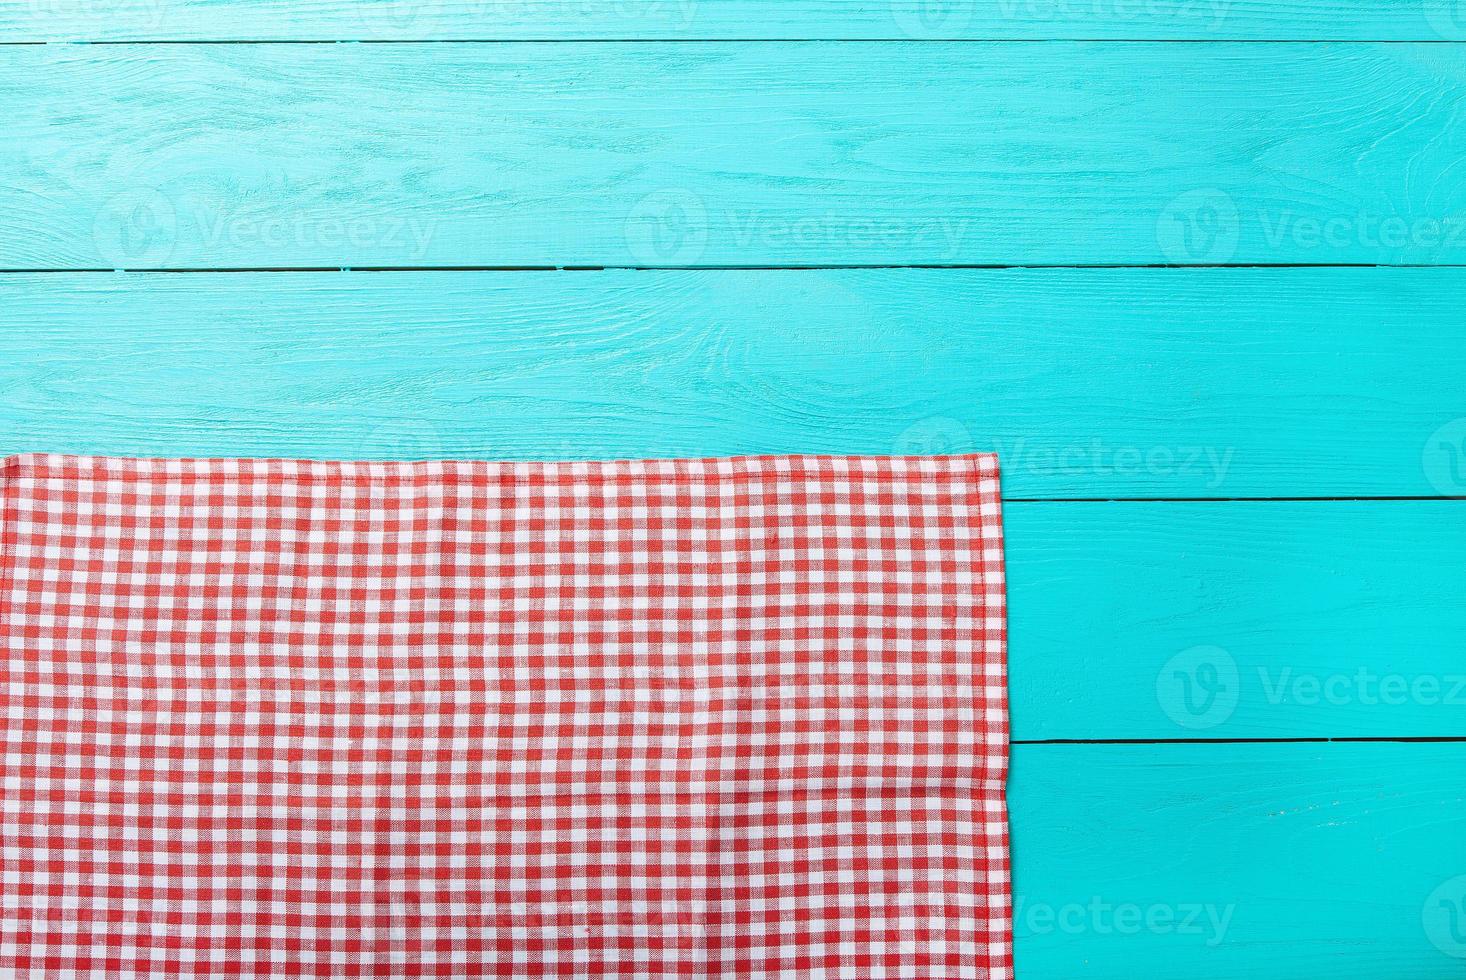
1195, 268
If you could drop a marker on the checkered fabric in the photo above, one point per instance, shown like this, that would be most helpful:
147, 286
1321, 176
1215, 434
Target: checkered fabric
695, 718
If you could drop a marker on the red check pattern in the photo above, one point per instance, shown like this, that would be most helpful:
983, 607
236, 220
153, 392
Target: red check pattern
693, 718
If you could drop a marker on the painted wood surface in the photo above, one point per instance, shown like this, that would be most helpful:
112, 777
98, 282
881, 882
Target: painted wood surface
708, 154
1166, 620
1306, 861
398, 20
1089, 383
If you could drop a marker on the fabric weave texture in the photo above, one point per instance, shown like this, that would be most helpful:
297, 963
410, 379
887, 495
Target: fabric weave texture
690, 718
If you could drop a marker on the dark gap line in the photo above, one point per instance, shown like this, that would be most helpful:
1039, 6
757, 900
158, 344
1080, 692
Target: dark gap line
1444, 739
823, 267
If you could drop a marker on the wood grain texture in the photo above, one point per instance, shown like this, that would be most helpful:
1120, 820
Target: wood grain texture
224, 156
437, 20
1320, 860
1320, 619
1088, 383
1237, 619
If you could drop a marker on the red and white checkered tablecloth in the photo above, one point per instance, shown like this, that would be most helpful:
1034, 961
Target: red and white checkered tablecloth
694, 718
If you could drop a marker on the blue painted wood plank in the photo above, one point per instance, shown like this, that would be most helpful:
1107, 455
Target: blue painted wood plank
215, 156
1130, 620
1214, 862
438, 20
1089, 383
